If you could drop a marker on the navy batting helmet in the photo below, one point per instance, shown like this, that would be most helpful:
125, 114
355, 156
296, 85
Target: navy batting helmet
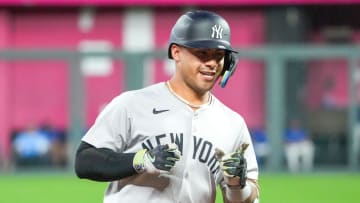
205, 30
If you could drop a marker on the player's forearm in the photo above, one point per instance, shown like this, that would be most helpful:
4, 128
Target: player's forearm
248, 194
102, 164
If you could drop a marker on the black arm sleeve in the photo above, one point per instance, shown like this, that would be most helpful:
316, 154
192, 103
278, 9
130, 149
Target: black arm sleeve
102, 164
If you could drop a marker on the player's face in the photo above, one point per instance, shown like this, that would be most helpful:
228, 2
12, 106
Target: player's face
200, 68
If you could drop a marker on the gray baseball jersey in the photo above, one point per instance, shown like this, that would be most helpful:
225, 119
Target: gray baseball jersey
152, 116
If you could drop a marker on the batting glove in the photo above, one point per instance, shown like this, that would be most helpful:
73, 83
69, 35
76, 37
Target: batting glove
161, 159
233, 166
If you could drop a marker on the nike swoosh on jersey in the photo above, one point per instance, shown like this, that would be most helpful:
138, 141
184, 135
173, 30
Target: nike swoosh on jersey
155, 111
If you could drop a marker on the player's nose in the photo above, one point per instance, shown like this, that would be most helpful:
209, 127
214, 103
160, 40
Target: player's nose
211, 64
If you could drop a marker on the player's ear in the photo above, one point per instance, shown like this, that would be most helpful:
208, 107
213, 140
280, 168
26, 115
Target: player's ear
175, 51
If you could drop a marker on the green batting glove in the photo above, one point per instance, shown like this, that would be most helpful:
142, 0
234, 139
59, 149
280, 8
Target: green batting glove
234, 166
161, 159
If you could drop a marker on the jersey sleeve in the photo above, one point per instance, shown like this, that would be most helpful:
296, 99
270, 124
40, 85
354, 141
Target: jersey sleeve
112, 126
252, 166
242, 137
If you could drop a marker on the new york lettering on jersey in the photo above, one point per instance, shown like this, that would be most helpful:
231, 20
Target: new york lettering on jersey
203, 150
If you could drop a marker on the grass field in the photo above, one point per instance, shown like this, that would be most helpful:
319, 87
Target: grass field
275, 188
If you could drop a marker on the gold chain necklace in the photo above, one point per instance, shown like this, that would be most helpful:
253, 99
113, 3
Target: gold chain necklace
185, 101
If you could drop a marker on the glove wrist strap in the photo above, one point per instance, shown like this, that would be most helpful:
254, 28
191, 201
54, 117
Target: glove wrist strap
138, 162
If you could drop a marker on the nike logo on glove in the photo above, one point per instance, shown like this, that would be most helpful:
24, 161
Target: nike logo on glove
159, 111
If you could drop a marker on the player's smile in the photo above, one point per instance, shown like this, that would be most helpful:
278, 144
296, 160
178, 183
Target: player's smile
208, 75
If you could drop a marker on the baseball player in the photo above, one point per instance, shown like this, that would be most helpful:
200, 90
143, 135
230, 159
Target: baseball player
174, 142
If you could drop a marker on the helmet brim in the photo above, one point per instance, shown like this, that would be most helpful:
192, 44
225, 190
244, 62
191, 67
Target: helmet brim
210, 44
204, 44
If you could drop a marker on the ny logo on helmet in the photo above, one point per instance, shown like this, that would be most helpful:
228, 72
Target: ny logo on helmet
217, 32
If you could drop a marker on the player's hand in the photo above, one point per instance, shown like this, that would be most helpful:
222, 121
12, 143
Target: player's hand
158, 160
234, 166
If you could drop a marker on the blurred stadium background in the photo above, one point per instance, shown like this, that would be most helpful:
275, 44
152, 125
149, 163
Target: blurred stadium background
62, 61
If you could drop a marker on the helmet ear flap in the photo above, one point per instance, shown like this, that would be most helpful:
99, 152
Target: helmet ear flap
230, 62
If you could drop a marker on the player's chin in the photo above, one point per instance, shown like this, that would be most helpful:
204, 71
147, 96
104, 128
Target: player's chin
206, 82
206, 85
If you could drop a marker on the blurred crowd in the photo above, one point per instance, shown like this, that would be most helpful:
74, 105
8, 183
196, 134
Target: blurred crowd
299, 149
36, 146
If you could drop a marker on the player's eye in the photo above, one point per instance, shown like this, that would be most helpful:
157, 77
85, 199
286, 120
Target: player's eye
219, 56
208, 54
201, 54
